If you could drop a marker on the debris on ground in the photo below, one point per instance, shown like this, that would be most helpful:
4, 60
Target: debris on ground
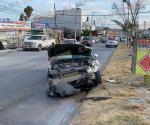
95, 98
130, 103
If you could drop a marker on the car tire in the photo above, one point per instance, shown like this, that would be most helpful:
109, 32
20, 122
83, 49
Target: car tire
116, 46
24, 49
98, 79
106, 46
39, 47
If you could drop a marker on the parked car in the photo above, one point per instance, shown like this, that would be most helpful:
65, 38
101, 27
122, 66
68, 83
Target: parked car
69, 41
74, 65
12, 45
123, 39
87, 41
37, 42
111, 42
97, 39
103, 39
118, 38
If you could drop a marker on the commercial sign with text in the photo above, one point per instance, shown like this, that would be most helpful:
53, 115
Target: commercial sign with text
15, 25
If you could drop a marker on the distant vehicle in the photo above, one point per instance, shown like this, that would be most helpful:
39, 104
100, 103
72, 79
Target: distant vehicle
117, 38
111, 42
12, 45
123, 39
103, 39
37, 42
87, 41
97, 39
93, 40
69, 41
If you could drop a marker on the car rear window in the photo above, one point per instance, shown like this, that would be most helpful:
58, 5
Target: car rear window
86, 38
111, 38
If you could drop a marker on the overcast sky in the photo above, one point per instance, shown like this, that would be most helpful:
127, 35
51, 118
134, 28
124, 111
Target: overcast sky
88, 6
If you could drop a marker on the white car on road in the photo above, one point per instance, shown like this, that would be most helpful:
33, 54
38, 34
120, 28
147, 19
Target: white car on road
70, 41
37, 42
111, 42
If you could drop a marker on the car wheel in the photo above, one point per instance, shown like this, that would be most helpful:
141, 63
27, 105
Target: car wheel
39, 47
24, 49
98, 79
116, 46
106, 46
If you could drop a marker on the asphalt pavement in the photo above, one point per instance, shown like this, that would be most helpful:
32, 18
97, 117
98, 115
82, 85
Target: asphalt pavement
23, 85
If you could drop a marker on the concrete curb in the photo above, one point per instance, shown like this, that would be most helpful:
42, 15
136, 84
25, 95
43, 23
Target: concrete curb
2, 52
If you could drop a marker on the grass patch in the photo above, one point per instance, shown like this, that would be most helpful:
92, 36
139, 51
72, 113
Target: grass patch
123, 119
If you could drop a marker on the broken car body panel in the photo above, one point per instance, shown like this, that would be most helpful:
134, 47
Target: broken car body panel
73, 64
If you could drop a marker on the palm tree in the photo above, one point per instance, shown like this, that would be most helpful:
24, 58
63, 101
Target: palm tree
28, 11
125, 26
21, 17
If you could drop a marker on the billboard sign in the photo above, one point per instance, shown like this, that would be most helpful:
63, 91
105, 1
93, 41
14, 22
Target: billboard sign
15, 25
38, 25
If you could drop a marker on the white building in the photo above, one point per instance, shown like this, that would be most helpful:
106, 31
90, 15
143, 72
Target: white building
69, 20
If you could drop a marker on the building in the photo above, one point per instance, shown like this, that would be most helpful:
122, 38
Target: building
12, 33
68, 20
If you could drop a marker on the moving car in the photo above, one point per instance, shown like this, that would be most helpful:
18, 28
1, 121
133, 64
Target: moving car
87, 41
103, 39
73, 65
70, 41
37, 42
111, 42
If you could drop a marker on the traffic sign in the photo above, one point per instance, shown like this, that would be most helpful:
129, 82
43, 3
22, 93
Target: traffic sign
143, 57
144, 63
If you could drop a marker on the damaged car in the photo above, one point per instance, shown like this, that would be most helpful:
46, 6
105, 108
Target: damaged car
72, 68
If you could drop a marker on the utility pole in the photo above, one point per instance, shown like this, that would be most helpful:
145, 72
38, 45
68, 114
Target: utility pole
128, 25
126, 20
75, 32
92, 20
77, 5
144, 25
55, 15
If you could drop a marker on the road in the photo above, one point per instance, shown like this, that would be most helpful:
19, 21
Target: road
23, 86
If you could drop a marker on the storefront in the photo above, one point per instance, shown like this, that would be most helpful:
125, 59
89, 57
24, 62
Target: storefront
12, 33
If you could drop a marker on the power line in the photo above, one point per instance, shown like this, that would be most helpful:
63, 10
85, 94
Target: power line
107, 15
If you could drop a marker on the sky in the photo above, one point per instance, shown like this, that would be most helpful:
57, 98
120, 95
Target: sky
41, 7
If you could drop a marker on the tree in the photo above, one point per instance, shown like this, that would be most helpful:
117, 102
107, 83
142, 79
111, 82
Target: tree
21, 17
86, 32
134, 10
125, 26
27, 14
28, 11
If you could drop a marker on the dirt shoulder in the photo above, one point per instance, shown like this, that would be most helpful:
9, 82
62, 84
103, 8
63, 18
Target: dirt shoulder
130, 102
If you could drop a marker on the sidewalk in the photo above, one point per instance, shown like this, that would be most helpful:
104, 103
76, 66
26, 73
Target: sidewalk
9, 51
130, 102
